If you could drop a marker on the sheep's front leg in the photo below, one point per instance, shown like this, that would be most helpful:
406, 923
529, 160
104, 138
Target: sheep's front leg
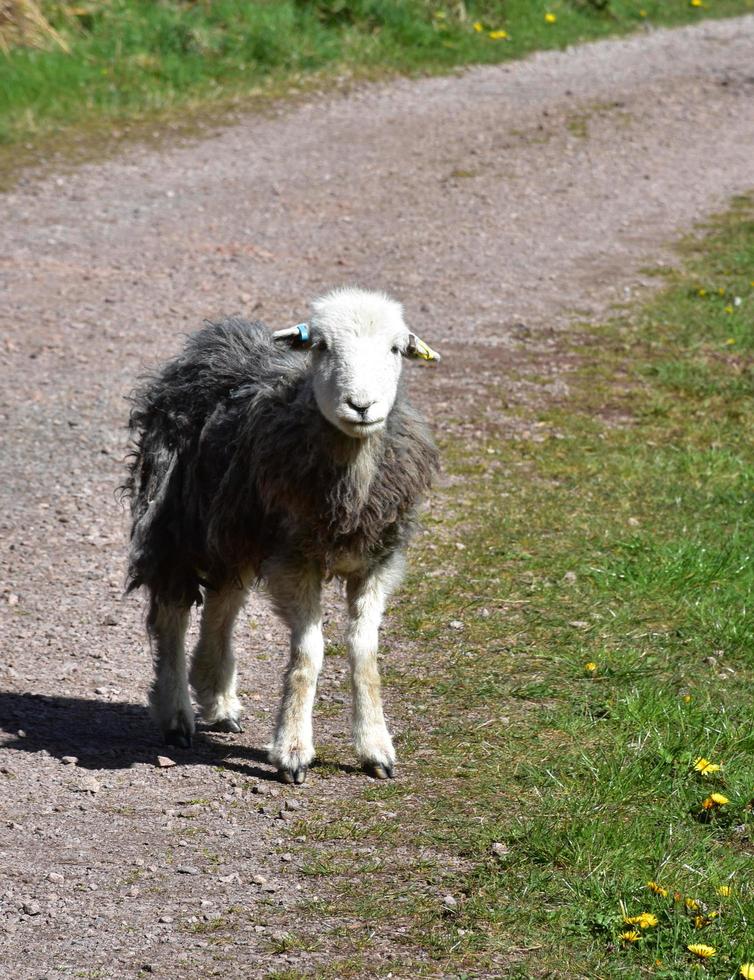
213, 668
296, 593
367, 596
169, 698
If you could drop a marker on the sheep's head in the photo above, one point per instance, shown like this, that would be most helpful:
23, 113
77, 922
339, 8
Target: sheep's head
357, 340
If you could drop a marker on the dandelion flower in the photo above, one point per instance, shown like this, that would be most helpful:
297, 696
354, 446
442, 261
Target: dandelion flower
702, 950
687, 699
498, 35
657, 889
643, 13
701, 292
692, 905
714, 800
696, 3
705, 767
643, 921
730, 341
747, 971
721, 291
550, 18
478, 26
591, 666
725, 891
630, 936
728, 309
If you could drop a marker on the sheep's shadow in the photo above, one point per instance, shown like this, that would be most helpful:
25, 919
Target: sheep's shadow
113, 735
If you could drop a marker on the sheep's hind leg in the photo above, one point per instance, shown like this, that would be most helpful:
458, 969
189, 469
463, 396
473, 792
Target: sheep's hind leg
213, 667
366, 604
296, 594
169, 697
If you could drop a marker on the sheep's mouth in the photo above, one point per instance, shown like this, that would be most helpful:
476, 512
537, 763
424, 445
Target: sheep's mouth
362, 427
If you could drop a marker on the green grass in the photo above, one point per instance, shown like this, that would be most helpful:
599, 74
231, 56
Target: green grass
623, 544
131, 59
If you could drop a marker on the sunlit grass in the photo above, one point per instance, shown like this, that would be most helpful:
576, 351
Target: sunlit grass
131, 58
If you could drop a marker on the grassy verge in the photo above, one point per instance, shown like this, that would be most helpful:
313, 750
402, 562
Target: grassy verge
128, 59
593, 640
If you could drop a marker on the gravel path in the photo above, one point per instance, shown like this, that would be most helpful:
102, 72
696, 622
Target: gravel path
495, 204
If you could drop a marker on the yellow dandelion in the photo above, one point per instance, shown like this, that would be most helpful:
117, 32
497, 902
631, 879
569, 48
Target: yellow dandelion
591, 666
630, 936
724, 890
702, 950
721, 291
550, 18
747, 971
643, 13
657, 889
701, 292
714, 800
730, 341
478, 26
696, 3
692, 905
643, 921
728, 309
498, 35
705, 767
440, 14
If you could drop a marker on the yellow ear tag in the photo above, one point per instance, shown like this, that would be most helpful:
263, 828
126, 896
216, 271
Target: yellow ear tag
417, 348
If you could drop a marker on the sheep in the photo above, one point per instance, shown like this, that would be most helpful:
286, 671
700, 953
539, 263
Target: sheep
280, 459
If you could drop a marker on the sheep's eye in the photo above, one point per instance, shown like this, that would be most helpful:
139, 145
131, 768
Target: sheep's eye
320, 345
395, 349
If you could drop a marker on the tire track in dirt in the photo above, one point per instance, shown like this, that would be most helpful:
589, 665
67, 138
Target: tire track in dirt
494, 203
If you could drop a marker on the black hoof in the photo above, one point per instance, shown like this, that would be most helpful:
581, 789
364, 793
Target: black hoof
232, 725
377, 771
296, 777
179, 738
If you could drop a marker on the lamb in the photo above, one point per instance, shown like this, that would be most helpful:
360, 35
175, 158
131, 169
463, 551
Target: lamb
281, 459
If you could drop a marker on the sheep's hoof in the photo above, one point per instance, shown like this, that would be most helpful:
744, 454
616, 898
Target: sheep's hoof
232, 725
378, 771
295, 776
178, 737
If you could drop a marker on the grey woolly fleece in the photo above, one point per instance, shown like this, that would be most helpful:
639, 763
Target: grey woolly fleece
233, 465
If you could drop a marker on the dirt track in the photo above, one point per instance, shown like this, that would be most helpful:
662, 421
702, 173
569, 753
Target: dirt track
493, 204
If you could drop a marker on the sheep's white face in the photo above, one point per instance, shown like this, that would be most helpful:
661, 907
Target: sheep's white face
357, 341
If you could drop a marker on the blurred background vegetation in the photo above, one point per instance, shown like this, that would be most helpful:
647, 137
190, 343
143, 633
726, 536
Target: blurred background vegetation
95, 62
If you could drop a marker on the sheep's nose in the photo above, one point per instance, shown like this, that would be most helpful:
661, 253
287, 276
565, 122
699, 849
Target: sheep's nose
361, 406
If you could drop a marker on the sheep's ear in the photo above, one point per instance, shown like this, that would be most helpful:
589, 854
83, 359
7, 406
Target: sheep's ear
298, 336
416, 348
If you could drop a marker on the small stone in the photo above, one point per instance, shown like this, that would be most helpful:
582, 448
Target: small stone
56, 878
484, 613
449, 902
31, 908
164, 762
166, 919
569, 578
455, 624
259, 880
579, 624
500, 850
261, 789
69, 760
12, 599
292, 805
286, 858
186, 869
89, 785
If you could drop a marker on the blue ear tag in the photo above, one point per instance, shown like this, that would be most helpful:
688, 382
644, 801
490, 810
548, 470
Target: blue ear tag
303, 333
